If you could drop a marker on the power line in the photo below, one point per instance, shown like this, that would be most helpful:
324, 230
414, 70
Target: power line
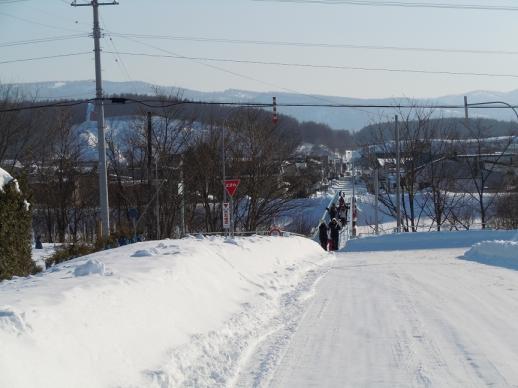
42, 40
308, 44
38, 23
157, 103
332, 67
118, 58
45, 57
11, 1
218, 68
470, 7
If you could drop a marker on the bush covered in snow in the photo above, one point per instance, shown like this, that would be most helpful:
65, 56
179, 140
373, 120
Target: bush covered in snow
68, 252
15, 230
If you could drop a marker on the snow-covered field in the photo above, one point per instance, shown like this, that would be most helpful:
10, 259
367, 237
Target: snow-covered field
155, 314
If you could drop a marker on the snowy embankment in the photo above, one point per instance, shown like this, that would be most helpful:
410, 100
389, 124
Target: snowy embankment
426, 240
502, 253
154, 314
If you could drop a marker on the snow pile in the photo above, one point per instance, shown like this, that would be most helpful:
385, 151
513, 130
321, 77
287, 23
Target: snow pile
145, 252
90, 267
5, 178
425, 240
187, 314
11, 322
503, 253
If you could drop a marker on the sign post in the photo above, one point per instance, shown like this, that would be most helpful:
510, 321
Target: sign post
226, 215
231, 188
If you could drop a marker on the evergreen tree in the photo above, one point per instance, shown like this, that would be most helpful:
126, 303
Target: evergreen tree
15, 233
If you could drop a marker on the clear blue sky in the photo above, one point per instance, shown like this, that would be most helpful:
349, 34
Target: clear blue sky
266, 21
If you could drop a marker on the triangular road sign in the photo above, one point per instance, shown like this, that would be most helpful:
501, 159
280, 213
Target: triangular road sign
231, 186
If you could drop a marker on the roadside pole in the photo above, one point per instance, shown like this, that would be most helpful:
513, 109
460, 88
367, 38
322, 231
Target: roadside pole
398, 177
230, 186
376, 193
225, 226
99, 112
353, 204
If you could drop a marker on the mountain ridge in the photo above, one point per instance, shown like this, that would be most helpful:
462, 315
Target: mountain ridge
337, 118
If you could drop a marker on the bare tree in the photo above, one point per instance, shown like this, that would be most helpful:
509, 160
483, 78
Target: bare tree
258, 149
481, 156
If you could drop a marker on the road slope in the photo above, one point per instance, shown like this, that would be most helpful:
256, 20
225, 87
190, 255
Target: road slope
415, 318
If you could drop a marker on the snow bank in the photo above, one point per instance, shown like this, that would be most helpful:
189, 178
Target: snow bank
501, 253
425, 240
179, 313
5, 178
90, 267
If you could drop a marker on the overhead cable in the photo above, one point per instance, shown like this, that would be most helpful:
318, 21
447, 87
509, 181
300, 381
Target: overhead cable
159, 103
45, 57
317, 66
316, 44
42, 40
372, 3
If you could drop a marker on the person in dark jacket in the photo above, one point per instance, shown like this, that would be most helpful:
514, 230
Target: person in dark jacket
334, 228
322, 235
332, 211
39, 245
341, 201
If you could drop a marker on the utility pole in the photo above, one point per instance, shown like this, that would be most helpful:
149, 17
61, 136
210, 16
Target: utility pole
99, 111
352, 232
182, 209
398, 178
223, 172
376, 193
150, 182
157, 202
466, 117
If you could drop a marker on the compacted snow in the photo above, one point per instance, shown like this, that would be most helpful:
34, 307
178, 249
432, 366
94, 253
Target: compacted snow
166, 313
404, 311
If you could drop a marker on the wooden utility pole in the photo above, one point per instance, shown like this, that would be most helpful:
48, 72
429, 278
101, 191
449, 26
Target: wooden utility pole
99, 112
398, 177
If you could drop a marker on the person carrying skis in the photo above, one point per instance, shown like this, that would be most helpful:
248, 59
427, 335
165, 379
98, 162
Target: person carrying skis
334, 228
322, 235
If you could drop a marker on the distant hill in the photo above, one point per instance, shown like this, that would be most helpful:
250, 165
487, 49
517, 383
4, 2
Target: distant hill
343, 118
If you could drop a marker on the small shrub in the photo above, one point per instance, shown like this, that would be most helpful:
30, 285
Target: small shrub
69, 252
506, 212
72, 251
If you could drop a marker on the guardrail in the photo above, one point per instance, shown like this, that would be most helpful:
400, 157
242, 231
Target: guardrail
272, 232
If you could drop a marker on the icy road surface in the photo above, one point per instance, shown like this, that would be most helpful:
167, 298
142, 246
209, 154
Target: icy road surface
415, 318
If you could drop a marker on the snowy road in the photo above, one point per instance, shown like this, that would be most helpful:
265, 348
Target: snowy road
419, 318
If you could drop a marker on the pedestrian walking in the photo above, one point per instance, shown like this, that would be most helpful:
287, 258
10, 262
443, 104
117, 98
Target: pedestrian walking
322, 235
332, 211
334, 229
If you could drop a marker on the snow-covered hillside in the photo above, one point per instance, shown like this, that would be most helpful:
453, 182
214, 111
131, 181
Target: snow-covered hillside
155, 314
